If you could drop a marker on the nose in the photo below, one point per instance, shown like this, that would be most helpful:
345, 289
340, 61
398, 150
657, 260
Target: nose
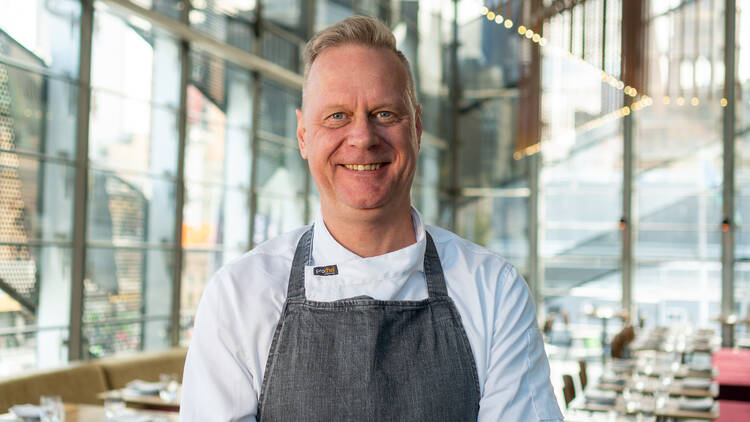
362, 133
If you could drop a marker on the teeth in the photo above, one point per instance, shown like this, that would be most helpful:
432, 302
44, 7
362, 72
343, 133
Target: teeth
361, 167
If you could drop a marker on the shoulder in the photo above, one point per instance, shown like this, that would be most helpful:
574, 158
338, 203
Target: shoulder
262, 271
461, 255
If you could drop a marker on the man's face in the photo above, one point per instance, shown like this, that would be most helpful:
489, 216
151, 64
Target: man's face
357, 131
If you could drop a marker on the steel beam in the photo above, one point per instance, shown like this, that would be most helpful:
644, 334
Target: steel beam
81, 182
177, 252
218, 48
728, 226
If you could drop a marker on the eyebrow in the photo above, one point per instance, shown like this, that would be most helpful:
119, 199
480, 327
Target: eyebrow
395, 105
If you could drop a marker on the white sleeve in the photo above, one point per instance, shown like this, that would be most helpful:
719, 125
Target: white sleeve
517, 387
217, 385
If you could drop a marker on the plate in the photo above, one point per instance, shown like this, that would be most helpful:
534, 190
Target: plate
696, 383
705, 403
26, 411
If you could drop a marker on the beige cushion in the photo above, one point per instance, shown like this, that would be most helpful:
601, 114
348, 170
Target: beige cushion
146, 366
76, 383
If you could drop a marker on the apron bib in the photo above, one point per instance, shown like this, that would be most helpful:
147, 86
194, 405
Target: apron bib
362, 359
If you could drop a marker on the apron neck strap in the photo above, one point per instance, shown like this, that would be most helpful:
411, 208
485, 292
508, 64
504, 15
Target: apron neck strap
433, 270
302, 257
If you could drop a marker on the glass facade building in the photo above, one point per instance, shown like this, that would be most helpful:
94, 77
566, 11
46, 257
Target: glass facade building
146, 143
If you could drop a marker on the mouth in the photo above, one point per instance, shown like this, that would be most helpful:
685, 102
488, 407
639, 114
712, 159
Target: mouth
364, 167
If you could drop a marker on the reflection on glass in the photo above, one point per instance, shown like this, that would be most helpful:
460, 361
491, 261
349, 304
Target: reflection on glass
218, 137
197, 268
36, 199
281, 169
125, 208
39, 44
498, 223
231, 21
41, 33
277, 112
37, 113
215, 217
678, 171
277, 215
127, 285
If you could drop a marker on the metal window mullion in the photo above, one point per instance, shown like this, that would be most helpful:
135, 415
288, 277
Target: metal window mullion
455, 99
535, 268
727, 237
254, 133
177, 252
81, 181
627, 213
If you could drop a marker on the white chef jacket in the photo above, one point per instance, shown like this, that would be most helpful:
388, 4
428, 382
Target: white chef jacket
242, 304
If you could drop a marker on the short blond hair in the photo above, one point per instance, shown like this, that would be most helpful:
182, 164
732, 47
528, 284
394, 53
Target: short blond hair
359, 30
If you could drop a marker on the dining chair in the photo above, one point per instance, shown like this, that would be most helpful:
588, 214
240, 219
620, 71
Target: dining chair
582, 374
569, 392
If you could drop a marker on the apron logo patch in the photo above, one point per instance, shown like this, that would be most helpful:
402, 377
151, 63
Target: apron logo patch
327, 270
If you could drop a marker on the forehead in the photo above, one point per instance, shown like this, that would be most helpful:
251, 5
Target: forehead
351, 72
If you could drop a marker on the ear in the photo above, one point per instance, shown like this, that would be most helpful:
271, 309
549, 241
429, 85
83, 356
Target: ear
418, 125
301, 134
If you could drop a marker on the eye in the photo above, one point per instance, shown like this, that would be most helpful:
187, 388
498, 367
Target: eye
337, 116
385, 115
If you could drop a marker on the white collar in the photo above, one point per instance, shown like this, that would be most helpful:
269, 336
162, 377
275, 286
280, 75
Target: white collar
327, 251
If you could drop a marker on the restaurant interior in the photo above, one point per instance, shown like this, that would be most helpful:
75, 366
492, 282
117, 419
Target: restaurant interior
598, 145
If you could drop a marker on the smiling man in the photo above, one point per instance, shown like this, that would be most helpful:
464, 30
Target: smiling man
368, 314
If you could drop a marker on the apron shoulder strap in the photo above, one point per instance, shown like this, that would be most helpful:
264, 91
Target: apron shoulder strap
302, 257
433, 270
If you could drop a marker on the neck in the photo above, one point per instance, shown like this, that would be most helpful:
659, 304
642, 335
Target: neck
372, 235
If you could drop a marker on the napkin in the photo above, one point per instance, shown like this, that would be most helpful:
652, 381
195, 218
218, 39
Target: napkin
696, 404
26, 410
144, 387
700, 367
608, 378
696, 383
601, 396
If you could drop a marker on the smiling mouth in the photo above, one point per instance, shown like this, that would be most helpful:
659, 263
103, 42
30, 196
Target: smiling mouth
363, 167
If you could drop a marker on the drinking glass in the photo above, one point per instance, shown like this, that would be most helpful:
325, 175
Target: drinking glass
632, 399
170, 387
51, 409
114, 407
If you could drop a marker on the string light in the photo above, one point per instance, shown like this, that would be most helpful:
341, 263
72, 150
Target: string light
643, 102
538, 39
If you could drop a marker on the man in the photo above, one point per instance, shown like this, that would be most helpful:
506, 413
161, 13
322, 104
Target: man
368, 315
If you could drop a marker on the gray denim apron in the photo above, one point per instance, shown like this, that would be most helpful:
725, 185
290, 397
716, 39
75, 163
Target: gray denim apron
362, 359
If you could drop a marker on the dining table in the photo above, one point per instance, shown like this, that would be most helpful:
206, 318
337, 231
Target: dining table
653, 385
143, 401
91, 413
647, 405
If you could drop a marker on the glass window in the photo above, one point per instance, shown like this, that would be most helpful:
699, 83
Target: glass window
39, 44
581, 176
133, 137
218, 156
230, 21
678, 176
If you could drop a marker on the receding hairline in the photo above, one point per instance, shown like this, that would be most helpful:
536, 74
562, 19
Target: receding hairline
363, 31
401, 66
